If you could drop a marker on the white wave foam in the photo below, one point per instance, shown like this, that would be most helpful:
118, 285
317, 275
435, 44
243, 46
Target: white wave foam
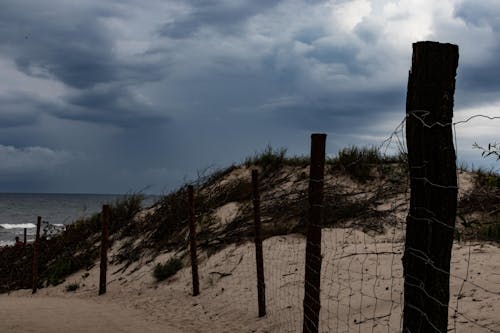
18, 226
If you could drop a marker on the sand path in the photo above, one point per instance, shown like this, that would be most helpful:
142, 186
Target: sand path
54, 314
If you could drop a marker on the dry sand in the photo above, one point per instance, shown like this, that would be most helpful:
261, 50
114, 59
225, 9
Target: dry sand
57, 314
361, 291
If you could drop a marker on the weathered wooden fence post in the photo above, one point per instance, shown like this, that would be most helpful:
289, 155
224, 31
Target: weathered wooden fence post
312, 282
192, 242
25, 276
36, 246
433, 202
261, 286
104, 249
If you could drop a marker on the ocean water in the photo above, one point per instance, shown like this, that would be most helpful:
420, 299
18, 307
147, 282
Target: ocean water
19, 211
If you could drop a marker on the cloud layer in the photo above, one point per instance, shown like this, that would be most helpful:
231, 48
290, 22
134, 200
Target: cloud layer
147, 92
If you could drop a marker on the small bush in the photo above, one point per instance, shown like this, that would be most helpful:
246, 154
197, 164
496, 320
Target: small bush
59, 269
72, 287
168, 269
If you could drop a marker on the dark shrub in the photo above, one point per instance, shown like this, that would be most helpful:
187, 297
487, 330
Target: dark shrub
168, 269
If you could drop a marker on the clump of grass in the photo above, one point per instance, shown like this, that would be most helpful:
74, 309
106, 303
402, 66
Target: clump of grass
121, 213
168, 269
72, 287
269, 158
487, 178
59, 269
297, 160
359, 162
491, 232
169, 219
128, 252
218, 174
59, 259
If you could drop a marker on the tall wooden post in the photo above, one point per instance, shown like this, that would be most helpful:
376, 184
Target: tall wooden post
36, 246
192, 242
104, 249
25, 236
312, 282
433, 202
259, 256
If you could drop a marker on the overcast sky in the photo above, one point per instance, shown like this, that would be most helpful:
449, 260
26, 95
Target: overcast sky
116, 96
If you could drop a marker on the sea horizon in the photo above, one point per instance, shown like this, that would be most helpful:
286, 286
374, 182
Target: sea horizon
20, 210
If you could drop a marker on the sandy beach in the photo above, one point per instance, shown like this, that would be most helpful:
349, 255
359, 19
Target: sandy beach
56, 314
361, 291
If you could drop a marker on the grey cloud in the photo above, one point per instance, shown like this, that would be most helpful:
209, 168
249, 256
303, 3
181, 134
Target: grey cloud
17, 110
72, 46
264, 72
54, 41
225, 17
114, 105
308, 35
368, 31
479, 12
19, 161
111, 104
23, 109
476, 80
333, 53
343, 55
342, 112
78, 56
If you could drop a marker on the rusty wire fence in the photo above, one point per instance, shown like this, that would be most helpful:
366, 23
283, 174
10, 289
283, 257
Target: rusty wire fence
363, 234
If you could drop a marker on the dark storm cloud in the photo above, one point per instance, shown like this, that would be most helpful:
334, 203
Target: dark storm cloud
19, 109
340, 113
149, 92
114, 104
56, 42
224, 16
75, 48
368, 31
481, 76
341, 54
479, 13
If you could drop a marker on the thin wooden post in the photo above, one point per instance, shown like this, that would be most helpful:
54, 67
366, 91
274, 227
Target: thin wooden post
25, 267
259, 257
192, 242
35, 254
433, 187
104, 249
312, 282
